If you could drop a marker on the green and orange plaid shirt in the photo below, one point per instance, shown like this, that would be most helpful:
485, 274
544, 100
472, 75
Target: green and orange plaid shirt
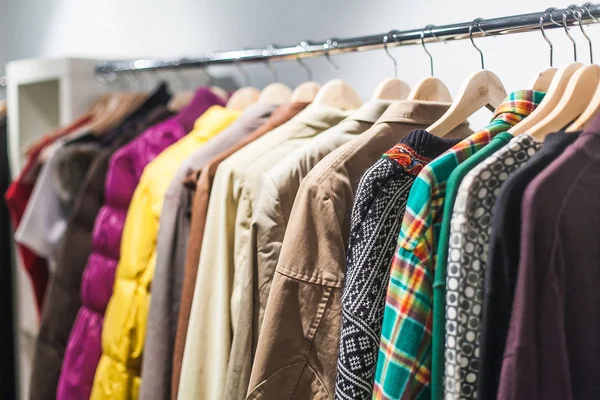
404, 361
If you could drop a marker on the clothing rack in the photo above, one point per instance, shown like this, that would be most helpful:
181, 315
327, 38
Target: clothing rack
550, 19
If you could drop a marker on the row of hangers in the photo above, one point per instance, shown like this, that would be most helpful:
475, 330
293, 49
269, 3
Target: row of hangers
572, 92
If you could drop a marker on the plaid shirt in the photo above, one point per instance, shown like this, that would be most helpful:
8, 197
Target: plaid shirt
404, 362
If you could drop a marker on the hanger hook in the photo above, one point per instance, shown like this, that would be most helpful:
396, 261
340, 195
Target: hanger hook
425, 48
101, 77
330, 43
386, 38
267, 53
477, 21
303, 45
542, 18
306, 68
578, 15
181, 76
566, 28
137, 79
586, 7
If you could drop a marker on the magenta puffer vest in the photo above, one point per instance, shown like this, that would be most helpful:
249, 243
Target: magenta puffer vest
84, 347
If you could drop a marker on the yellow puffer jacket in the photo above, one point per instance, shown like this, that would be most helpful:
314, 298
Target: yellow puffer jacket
118, 373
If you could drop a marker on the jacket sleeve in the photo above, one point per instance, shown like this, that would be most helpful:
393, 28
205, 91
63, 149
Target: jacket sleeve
117, 376
266, 235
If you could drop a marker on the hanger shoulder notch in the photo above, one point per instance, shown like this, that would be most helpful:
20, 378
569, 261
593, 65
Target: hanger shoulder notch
391, 89
553, 95
430, 89
242, 98
305, 92
275, 93
338, 94
481, 89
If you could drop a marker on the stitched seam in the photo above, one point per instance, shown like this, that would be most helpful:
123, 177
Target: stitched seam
309, 279
313, 330
260, 386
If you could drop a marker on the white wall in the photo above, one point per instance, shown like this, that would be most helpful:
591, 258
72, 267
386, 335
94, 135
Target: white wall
154, 28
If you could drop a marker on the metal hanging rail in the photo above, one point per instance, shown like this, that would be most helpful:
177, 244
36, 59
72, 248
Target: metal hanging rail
552, 18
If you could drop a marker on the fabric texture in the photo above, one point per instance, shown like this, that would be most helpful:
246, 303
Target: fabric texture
271, 211
45, 218
298, 345
552, 345
404, 360
174, 230
467, 262
503, 261
439, 301
124, 331
213, 319
376, 215
125, 169
201, 181
63, 298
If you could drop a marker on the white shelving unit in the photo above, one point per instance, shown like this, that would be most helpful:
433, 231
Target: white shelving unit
42, 95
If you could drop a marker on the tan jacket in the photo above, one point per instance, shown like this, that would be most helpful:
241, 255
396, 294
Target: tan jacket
270, 214
213, 318
298, 345
203, 188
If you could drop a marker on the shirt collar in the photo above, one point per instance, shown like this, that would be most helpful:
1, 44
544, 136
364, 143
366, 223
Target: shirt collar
414, 111
517, 106
213, 117
370, 112
320, 116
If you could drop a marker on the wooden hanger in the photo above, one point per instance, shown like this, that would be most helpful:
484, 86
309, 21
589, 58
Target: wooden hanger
220, 92
305, 92
588, 114
337, 93
430, 89
551, 99
180, 100
391, 88
275, 93
576, 98
481, 89
542, 80
242, 98
117, 109
594, 106
100, 104
246, 95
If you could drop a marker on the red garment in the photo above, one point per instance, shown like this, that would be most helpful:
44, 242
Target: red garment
17, 196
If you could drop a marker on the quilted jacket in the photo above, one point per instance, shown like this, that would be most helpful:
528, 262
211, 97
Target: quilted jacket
62, 298
126, 166
118, 373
